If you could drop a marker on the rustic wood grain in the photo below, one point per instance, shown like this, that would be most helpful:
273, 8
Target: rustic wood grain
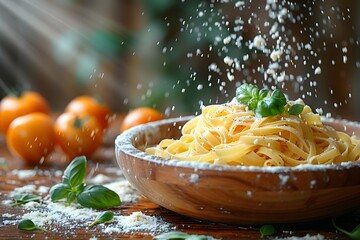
105, 158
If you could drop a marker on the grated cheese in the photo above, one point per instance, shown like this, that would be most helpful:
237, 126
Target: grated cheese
65, 219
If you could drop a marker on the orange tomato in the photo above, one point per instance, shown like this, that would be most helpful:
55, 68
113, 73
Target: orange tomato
78, 134
139, 116
90, 106
31, 137
12, 107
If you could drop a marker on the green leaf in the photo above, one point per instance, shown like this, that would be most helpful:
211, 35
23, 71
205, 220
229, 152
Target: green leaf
269, 107
279, 97
75, 172
296, 109
104, 217
79, 188
244, 93
263, 93
97, 197
250, 95
28, 225
262, 104
252, 104
354, 234
25, 198
198, 237
176, 235
266, 230
71, 197
172, 235
59, 191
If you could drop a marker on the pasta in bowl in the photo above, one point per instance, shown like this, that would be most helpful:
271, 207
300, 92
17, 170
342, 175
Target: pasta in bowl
229, 134
228, 165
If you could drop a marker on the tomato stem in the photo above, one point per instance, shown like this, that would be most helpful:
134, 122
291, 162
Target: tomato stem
78, 122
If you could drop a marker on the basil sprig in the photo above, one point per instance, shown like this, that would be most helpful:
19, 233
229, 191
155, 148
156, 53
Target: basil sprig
262, 103
73, 187
28, 225
20, 199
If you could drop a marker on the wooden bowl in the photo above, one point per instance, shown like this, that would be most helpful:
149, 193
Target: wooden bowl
237, 195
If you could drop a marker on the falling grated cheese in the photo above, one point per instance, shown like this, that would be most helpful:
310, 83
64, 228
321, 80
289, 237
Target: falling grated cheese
317, 71
259, 42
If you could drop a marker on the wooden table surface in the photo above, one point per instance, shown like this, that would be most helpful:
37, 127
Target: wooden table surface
105, 159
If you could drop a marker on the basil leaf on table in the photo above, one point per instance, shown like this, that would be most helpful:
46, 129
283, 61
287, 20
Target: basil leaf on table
354, 234
97, 197
172, 235
25, 198
71, 197
104, 217
75, 172
59, 191
73, 181
28, 225
62, 190
176, 235
266, 230
73, 187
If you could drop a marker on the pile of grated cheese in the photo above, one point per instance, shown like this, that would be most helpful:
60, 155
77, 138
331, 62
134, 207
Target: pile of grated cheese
66, 219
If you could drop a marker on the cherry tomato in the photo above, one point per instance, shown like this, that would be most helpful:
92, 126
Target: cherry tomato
31, 137
90, 106
12, 107
78, 134
139, 116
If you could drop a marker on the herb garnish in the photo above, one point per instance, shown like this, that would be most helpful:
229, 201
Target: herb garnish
25, 198
104, 217
98, 196
175, 235
73, 187
262, 103
28, 225
354, 234
266, 230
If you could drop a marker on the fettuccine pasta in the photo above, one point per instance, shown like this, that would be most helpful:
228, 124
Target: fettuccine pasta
230, 134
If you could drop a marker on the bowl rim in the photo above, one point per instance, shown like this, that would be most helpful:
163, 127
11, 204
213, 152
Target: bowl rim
123, 143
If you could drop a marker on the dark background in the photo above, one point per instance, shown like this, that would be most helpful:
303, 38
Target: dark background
156, 53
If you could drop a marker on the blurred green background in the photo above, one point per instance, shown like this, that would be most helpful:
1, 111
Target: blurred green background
157, 53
